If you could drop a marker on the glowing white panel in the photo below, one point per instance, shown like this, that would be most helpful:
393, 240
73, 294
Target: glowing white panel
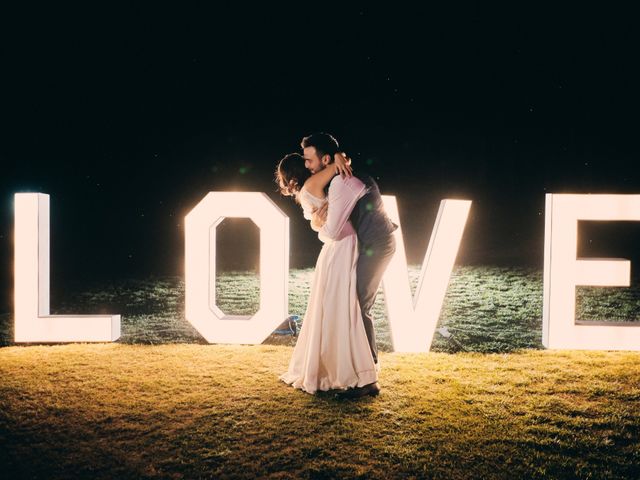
413, 321
32, 320
200, 264
563, 271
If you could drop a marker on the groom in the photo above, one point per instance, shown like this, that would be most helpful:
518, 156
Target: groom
376, 243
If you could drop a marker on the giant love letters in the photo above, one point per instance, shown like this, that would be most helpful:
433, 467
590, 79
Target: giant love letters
563, 272
31, 284
412, 320
201, 308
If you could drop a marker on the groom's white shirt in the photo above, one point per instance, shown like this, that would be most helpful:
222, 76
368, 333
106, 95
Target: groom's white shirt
343, 195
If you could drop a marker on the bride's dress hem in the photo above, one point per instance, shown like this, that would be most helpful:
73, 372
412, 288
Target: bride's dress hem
325, 385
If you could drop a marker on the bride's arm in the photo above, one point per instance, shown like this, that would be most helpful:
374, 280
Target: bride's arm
343, 164
316, 183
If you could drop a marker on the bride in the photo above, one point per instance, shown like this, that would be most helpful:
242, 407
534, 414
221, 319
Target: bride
332, 351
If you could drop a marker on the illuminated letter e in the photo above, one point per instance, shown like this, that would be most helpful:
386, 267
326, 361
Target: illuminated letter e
563, 272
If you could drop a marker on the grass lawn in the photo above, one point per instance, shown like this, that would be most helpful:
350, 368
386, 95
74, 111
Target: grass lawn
161, 403
211, 411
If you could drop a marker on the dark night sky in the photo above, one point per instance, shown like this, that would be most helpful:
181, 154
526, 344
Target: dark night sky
127, 117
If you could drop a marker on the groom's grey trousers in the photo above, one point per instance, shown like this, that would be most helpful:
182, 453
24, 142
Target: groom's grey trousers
372, 262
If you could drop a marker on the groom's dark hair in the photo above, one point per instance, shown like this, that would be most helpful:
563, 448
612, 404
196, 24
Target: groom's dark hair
324, 144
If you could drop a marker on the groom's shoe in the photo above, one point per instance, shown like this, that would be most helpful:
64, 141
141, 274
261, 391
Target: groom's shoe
372, 389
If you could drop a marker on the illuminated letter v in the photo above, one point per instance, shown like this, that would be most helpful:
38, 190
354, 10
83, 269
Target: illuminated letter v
413, 323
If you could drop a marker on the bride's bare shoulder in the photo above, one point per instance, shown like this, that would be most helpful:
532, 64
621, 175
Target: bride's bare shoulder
315, 188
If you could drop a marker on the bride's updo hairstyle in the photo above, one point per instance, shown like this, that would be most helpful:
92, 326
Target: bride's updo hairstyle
291, 174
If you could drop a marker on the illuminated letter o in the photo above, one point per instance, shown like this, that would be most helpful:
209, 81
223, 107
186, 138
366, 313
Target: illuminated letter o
200, 264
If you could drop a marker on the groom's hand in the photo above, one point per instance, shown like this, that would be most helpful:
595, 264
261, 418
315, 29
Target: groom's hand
319, 217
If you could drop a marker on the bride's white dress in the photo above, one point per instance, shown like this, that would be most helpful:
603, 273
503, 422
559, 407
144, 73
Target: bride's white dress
332, 351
